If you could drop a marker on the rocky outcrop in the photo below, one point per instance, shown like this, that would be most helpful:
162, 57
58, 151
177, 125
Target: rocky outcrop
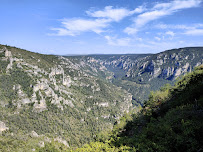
75, 87
34, 134
7, 53
3, 127
84, 89
60, 140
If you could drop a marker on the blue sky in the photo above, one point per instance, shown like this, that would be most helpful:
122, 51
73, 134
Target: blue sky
101, 26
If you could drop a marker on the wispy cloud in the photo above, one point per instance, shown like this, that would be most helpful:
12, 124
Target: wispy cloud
192, 29
118, 41
194, 32
178, 26
158, 11
104, 18
157, 38
116, 14
171, 33
74, 27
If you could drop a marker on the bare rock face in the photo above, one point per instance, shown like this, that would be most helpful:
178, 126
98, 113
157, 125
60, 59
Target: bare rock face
41, 144
104, 104
34, 134
10, 64
177, 72
157, 72
67, 81
150, 67
3, 127
41, 106
7, 53
60, 140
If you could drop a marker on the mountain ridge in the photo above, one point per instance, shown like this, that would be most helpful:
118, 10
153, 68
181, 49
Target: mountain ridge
78, 96
38, 85
171, 120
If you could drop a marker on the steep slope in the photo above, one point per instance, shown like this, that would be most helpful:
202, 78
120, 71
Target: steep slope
69, 100
139, 74
56, 97
171, 120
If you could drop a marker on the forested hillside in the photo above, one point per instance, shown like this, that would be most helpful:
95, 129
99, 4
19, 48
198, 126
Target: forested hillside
62, 103
171, 120
46, 97
141, 73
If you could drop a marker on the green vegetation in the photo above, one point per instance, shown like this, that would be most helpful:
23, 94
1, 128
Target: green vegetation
171, 120
40, 60
77, 100
33, 97
141, 73
16, 77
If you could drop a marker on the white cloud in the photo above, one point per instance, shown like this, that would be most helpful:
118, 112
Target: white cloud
166, 26
192, 29
157, 38
149, 16
61, 32
139, 39
158, 11
178, 4
195, 32
116, 14
118, 41
178, 26
73, 27
140, 9
171, 33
